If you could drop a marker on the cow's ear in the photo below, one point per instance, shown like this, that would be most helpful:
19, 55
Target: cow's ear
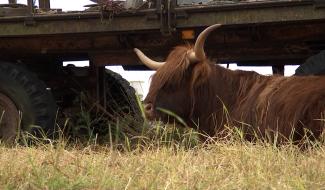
200, 74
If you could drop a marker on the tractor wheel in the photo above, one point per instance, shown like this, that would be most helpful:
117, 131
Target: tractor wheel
25, 103
121, 97
119, 112
315, 65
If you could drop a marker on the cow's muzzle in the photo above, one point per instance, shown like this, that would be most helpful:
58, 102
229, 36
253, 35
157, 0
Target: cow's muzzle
149, 111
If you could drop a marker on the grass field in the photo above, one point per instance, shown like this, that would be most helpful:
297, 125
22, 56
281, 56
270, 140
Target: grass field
162, 161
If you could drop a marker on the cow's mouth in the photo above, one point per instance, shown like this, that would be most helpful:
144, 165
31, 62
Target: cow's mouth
152, 113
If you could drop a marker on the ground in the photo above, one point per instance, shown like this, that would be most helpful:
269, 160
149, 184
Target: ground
165, 161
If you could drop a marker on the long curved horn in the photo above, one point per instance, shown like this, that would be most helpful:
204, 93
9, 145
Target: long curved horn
154, 65
199, 44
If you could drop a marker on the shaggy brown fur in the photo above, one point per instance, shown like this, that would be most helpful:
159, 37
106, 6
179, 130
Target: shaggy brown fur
217, 97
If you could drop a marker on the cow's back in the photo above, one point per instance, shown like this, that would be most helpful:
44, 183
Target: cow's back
283, 104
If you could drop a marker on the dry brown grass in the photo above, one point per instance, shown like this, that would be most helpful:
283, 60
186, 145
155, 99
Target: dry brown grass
220, 165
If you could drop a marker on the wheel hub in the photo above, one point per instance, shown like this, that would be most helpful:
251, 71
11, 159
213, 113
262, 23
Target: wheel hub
9, 119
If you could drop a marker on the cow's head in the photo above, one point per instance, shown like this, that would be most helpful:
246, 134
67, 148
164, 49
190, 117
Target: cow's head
173, 85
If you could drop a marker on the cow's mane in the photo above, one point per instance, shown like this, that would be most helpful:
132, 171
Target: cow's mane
178, 68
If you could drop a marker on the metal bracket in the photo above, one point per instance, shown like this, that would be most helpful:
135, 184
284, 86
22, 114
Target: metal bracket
166, 14
29, 21
166, 11
319, 3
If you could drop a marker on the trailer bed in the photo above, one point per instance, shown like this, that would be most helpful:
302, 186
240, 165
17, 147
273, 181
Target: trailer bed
273, 32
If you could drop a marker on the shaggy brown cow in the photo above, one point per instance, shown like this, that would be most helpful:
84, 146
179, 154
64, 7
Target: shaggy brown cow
210, 97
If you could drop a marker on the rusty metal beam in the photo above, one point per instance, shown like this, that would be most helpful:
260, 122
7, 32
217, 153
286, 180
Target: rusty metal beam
117, 58
267, 35
253, 16
89, 22
281, 43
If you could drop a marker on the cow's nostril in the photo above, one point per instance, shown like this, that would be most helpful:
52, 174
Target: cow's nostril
148, 107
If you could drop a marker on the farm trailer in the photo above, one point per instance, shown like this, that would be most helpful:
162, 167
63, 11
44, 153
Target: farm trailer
34, 43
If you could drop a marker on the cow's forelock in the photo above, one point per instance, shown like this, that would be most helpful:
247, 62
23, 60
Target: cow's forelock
172, 72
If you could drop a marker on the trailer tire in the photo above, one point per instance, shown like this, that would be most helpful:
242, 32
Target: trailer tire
314, 65
22, 90
121, 96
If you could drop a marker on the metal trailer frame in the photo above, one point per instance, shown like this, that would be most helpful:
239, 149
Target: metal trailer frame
275, 32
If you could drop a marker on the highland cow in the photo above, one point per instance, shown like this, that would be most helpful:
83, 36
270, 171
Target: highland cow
210, 97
